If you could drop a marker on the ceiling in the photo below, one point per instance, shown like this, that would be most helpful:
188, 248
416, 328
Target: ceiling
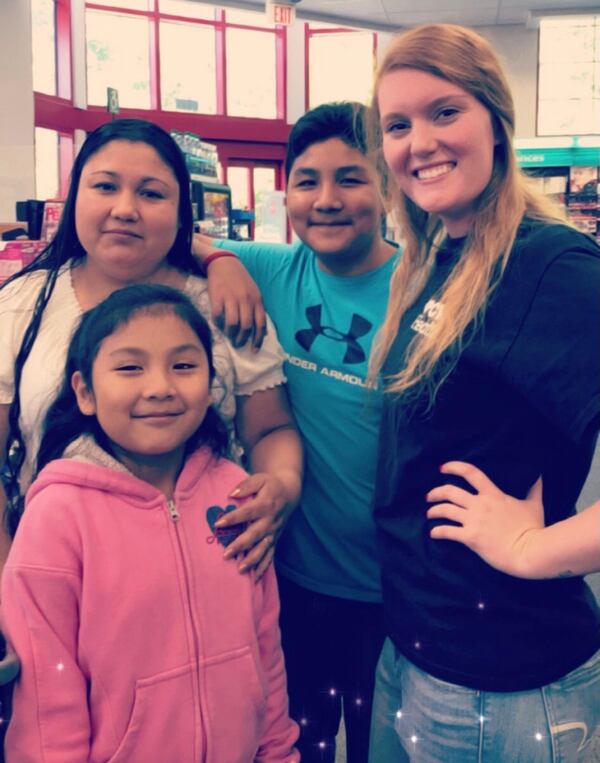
390, 15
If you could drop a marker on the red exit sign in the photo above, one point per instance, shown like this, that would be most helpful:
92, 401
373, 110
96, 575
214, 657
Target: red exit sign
281, 14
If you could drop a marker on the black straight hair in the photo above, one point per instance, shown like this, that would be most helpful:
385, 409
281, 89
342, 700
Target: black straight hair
65, 247
64, 422
344, 120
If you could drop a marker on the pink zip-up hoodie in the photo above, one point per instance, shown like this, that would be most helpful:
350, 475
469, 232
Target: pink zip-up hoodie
138, 642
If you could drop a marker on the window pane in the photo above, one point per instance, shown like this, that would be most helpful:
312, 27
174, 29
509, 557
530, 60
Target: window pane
249, 18
251, 74
340, 67
135, 5
568, 117
187, 60
565, 80
46, 164
569, 76
43, 29
237, 180
264, 182
566, 40
118, 56
185, 8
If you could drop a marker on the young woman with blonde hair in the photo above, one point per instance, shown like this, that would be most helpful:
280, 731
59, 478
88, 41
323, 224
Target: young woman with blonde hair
489, 354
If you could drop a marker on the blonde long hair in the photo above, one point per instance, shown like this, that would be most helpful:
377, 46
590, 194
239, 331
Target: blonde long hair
463, 57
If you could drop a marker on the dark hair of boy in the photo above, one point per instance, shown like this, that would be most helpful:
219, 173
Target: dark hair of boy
345, 121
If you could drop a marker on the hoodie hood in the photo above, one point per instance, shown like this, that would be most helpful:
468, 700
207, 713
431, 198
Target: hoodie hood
86, 450
86, 464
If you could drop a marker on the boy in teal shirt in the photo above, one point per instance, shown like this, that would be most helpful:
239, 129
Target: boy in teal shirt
327, 295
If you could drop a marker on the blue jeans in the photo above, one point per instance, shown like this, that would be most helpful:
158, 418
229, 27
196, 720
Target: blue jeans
438, 722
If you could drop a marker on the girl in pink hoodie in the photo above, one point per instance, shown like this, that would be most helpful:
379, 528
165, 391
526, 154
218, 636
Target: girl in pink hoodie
139, 642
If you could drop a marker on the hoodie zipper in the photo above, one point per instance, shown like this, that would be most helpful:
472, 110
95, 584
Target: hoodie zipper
172, 506
175, 517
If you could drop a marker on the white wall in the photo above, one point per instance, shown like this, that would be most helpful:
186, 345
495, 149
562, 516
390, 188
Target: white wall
517, 47
17, 167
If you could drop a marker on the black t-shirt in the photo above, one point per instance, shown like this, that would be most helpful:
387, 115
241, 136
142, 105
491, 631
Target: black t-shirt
522, 399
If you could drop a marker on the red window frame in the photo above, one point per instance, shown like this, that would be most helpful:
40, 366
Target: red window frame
315, 32
262, 139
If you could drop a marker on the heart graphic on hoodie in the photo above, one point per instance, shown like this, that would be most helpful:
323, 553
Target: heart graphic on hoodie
225, 535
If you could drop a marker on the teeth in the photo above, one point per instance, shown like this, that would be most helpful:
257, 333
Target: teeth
434, 172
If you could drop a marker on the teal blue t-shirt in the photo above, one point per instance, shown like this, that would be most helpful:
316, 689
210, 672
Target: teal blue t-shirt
326, 325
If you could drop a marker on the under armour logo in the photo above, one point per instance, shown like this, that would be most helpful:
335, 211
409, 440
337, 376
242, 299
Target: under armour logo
359, 326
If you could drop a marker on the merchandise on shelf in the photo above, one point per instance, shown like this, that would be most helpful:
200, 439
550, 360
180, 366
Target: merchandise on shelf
15, 255
568, 169
201, 158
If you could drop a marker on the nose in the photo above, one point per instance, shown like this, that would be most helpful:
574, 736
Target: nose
159, 385
328, 197
125, 206
423, 138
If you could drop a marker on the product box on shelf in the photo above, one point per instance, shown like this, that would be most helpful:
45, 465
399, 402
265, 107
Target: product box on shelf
52, 212
582, 199
15, 255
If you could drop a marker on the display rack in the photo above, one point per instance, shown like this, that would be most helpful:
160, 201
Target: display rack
201, 158
568, 169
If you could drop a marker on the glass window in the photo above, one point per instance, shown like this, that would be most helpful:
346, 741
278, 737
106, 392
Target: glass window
118, 51
566, 40
237, 179
251, 74
185, 8
134, 5
264, 182
46, 164
340, 67
187, 60
43, 28
569, 76
569, 117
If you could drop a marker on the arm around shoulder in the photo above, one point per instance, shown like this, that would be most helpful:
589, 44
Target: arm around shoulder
235, 299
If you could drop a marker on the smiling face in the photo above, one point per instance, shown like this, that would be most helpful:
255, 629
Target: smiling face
334, 207
126, 212
150, 388
438, 142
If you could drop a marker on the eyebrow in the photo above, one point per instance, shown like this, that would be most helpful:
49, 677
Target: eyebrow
147, 179
338, 170
450, 97
136, 351
433, 104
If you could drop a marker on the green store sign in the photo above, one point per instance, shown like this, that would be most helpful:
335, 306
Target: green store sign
535, 154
